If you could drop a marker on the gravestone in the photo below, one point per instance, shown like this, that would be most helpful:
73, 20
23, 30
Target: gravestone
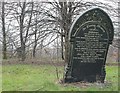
90, 36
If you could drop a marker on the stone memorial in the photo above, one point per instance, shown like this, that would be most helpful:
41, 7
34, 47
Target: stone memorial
90, 36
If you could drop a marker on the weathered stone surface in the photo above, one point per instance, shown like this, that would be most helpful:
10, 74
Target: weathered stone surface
90, 36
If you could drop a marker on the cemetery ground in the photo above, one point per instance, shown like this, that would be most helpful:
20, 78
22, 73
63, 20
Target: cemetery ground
41, 76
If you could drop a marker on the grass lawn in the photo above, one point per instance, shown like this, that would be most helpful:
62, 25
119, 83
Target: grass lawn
43, 77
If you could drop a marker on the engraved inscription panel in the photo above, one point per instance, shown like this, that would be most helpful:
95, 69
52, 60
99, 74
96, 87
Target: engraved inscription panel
90, 44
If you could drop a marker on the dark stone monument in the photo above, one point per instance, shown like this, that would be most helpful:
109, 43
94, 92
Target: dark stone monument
90, 37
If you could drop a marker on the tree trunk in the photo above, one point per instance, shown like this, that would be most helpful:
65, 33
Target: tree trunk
35, 45
21, 32
62, 45
23, 51
67, 18
34, 48
34, 51
4, 33
118, 50
66, 50
41, 48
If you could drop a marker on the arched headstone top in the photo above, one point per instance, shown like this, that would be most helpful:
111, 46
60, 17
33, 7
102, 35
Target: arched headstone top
97, 16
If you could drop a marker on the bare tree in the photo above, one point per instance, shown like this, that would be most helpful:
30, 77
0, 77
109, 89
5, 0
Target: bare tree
23, 15
67, 11
4, 32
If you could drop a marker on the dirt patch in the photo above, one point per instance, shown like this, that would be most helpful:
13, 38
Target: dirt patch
83, 84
